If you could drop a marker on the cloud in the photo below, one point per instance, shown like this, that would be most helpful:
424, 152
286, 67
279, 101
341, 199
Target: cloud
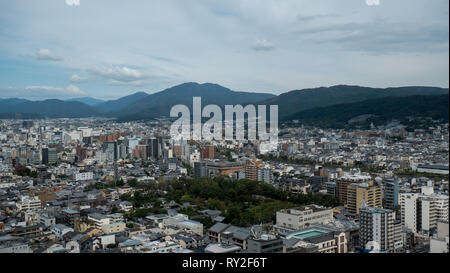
78, 79
121, 74
380, 36
73, 2
373, 2
46, 55
70, 90
41, 92
309, 18
126, 83
263, 45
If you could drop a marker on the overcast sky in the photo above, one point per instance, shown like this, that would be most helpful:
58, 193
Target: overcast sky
111, 48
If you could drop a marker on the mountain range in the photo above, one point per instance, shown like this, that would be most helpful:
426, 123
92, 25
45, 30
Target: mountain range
292, 105
377, 111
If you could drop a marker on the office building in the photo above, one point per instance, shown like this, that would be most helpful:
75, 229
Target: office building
266, 243
390, 193
299, 218
49, 156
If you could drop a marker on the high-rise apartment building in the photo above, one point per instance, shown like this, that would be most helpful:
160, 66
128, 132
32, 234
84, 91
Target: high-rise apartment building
265, 175
251, 169
422, 211
378, 229
207, 152
110, 149
357, 192
344, 181
390, 193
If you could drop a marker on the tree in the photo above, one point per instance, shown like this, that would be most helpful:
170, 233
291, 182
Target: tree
132, 182
120, 183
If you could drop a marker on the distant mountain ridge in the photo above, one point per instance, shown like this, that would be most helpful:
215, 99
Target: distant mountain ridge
119, 104
142, 106
379, 111
48, 108
159, 104
298, 100
88, 100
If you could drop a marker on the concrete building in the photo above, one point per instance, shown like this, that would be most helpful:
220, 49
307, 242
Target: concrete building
357, 192
377, 229
221, 248
299, 218
266, 243
251, 169
46, 220
59, 230
182, 221
28, 203
345, 180
323, 240
440, 242
422, 211
265, 175
84, 176
390, 193
113, 227
49, 156
229, 235
434, 169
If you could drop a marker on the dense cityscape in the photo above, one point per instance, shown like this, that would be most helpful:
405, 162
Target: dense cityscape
93, 185
224, 136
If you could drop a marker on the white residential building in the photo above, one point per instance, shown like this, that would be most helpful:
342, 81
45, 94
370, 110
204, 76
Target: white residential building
422, 211
59, 230
84, 176
28, 203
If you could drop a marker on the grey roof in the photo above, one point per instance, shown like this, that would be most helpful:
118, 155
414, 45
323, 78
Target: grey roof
238, 232
289, 243
219, 218
320, 238
218, 227
130, 242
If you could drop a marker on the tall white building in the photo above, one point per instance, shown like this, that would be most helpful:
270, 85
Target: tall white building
422, 211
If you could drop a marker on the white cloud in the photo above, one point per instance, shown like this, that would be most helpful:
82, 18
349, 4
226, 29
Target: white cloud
263, 45
73, 2
122, 74
41, 92
373, 2
69, 91
126, 83
47, 55
78, 79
